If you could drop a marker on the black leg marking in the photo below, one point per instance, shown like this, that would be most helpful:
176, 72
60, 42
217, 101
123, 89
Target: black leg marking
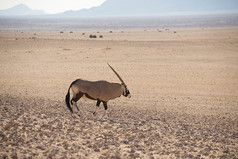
105, 105
98, 102
75, 99
97, 106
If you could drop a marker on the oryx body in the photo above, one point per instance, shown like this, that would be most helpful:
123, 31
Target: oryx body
102, 91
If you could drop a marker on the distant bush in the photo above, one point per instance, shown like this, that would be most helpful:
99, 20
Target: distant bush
71, 32
92, 36
83, 33
61, 32
100, 36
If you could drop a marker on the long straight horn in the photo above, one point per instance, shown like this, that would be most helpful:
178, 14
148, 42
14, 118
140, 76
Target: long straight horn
116, 73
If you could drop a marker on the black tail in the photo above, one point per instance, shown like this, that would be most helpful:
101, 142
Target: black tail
67, 101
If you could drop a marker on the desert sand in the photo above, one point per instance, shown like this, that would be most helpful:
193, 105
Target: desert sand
183, 82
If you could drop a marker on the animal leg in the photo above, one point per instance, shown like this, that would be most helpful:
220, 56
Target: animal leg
78, 109
77, 106
74, 104
97, 106
75, 99
105, 107
73, 113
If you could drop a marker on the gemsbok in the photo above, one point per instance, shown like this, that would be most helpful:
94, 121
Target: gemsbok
102, 91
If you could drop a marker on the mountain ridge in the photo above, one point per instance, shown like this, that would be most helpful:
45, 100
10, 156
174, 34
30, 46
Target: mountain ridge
21, 10
136, 8
157, 7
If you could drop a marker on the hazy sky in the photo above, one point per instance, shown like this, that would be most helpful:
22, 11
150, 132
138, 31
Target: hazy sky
52, 6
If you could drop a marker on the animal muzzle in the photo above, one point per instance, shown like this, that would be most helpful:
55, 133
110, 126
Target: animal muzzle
129, 96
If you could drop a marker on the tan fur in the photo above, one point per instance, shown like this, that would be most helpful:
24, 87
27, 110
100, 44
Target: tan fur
86, 98
102, 90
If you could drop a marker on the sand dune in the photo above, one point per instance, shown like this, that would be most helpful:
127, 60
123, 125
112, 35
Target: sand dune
183, 83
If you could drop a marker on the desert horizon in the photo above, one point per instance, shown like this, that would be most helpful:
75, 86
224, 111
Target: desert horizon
49, 24
183, 82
